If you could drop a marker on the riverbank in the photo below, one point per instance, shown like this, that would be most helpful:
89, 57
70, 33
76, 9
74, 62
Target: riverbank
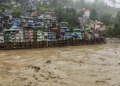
112, 40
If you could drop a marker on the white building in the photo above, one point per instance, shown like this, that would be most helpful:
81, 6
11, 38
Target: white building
86, 14
47, 2
32, 2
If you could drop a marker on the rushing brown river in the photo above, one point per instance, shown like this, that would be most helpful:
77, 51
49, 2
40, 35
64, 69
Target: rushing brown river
91, 65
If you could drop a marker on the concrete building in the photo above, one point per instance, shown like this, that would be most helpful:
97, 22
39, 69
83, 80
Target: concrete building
32, 2
47, 2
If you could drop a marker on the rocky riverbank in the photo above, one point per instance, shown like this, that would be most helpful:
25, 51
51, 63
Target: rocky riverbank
112, 40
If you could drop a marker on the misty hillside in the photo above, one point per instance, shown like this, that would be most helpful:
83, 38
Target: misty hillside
99, 5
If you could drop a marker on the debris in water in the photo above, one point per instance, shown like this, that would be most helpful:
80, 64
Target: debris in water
48, 62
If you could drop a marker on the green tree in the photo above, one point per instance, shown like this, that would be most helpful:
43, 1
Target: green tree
16, 12
117, 29
106, 19
93, 15
110, 30
81, 13
4, 6
118, 16
54, 3
66, 15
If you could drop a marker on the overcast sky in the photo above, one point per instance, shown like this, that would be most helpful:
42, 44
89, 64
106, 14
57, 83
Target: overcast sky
108, 2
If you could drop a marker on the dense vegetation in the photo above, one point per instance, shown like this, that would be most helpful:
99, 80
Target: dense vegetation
69, 10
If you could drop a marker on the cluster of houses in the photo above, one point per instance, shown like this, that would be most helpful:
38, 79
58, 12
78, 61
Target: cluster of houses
30, 3
34, 27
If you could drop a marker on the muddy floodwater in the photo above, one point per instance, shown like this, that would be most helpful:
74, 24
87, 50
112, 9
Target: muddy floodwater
89, 65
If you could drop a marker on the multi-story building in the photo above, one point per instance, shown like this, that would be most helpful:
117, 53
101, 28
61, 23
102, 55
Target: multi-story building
32, 2
44, 2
